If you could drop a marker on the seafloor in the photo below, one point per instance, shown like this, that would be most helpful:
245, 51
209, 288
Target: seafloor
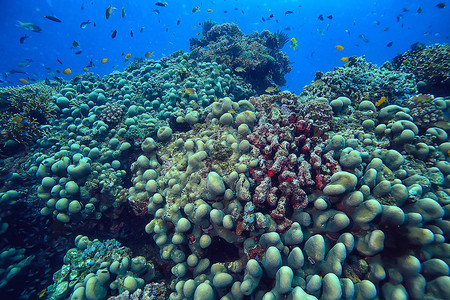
194, 177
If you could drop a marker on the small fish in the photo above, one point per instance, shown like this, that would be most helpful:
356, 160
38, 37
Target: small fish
85, 69
59, 61
271, 16
131, 32
167, 29
386, 29
198, 33
156, 11
149, 54
288, 12
263, 19
127, 56
196, 9
14, 71
271, 89
109, 11
104, 60
339, 47
399, 17
363, 37
441, 5
78, 52
189, 91
419, 10
404, 9
123, 12
239, 69
24, 63
23, 38
67, 71
320, 17
162, 4
82, 6
42, 293
347, 64
389, 44
320, 31
114, 33
294, 43
75, 44
23, 81
344, 59
52, 18
30, 26
330, 17
209, 10
381, 101
377, 22
242, 11
84, 24
77, 78
178, 22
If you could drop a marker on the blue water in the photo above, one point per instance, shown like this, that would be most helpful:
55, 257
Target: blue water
381, 22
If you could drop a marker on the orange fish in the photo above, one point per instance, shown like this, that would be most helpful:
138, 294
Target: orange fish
17, 119
339, 47
347, 64
67, 71
209, 10
104, 60
381, 101
345, 58
23, 81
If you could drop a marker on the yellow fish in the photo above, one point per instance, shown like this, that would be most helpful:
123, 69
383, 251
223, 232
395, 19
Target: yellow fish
209, 10
42, 293
127, 56
104, 60
17, 119
381, 101
346, 64
23, 81
189, 91
239, 69
345, 58
339, 47
271, 89
85, 69
67, 71
294, 43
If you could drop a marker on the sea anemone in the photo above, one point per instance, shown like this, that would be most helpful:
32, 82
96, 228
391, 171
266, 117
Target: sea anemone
282, 38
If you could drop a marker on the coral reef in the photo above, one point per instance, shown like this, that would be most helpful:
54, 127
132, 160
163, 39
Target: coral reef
255, 57
360, 81
431, 66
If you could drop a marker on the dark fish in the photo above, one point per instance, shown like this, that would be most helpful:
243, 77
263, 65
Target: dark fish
277, 21
14, 71
131, 32
23, 38
167, 29
263, 19
75, 44
82, 6
419, 10
52, 18
271, 16
123, 12
142, 29
288, 12
242, 11
78, 52
330, 17
162, 4
320, 17
155, 11
389, 44
441, 5
404, 9
114, 33
225, 11
94, 24
84, 24
385, 29
91, 64
178, 22
59, 61
109, 11
399, 17
287, 28
58, 71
